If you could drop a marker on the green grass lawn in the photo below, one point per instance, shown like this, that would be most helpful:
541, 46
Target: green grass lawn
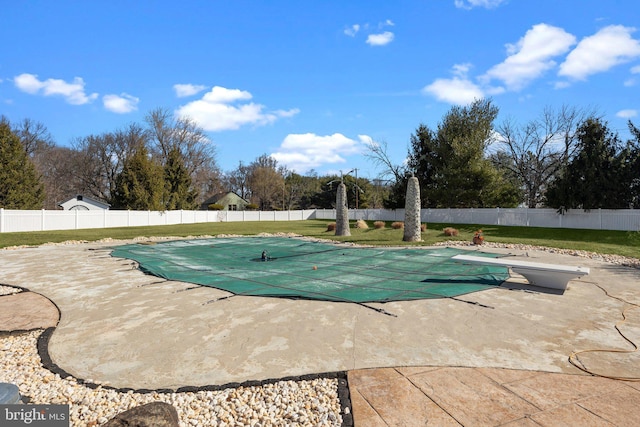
625, 243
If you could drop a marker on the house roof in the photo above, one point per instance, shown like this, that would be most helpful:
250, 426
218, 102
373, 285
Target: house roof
220, 195
84, 198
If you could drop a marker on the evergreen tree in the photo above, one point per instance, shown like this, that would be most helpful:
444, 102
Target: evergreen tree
140, 184
451, 165
177, 181
20, 186
594, 178
632, 167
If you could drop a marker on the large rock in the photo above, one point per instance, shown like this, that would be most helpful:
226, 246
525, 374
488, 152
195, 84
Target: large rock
342, 212
412, 212
9, 394
155, 414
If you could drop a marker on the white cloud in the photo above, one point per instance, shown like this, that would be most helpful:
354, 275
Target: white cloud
470, 4
627, 114
454, 91
461, 70
531, 56
352, 30
28, 83
121, 104
302, 152
219, 94
611, 46
73, 92
457, 90
380, 39
216, 110
561, 85
632, 81
286, 113
183, 90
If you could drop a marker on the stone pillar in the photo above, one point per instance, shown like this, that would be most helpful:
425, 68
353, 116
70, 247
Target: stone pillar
342, 213
412, 212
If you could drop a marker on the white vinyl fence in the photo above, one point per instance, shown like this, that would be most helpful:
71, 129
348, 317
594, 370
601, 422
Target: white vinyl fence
597, 219
43, 220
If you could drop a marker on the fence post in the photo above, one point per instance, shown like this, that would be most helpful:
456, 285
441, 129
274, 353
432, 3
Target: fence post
77, 216
1, 220
42, 220
600, 215
498, 216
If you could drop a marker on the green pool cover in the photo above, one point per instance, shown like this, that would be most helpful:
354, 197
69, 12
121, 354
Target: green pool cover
296, 268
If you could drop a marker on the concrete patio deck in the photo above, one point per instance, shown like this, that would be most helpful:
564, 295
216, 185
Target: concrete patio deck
500, 358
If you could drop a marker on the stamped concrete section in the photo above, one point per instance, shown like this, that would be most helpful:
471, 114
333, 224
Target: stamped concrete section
26, 311
131, 330
489, 397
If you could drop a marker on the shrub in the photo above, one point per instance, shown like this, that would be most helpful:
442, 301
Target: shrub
478, 238
331, 226
450, 231
361, 223
398, 225
423, 227
215, 207
252, 207
379, 224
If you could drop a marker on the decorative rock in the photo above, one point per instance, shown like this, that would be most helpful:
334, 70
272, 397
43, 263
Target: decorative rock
156, 414
342, 213
9, 394
412, 212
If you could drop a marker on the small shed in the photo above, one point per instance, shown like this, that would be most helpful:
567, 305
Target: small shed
83, 203
230, 201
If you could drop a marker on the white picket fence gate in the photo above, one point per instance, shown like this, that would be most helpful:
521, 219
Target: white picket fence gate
43, 220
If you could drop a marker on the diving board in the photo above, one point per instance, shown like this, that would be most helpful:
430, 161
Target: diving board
539, 274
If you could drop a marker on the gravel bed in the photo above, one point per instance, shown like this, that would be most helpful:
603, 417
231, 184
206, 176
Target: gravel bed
285, 403
9, 290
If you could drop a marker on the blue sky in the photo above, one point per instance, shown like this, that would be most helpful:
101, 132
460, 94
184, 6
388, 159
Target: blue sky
311, 82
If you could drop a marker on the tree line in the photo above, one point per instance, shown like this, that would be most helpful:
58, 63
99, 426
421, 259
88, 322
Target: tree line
164, 163
566, 159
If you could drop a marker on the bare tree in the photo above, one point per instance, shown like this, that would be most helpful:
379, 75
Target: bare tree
378, 154
237, 181
101, 158
167, 132
538, 149
34, 136
58, 167
266, 182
